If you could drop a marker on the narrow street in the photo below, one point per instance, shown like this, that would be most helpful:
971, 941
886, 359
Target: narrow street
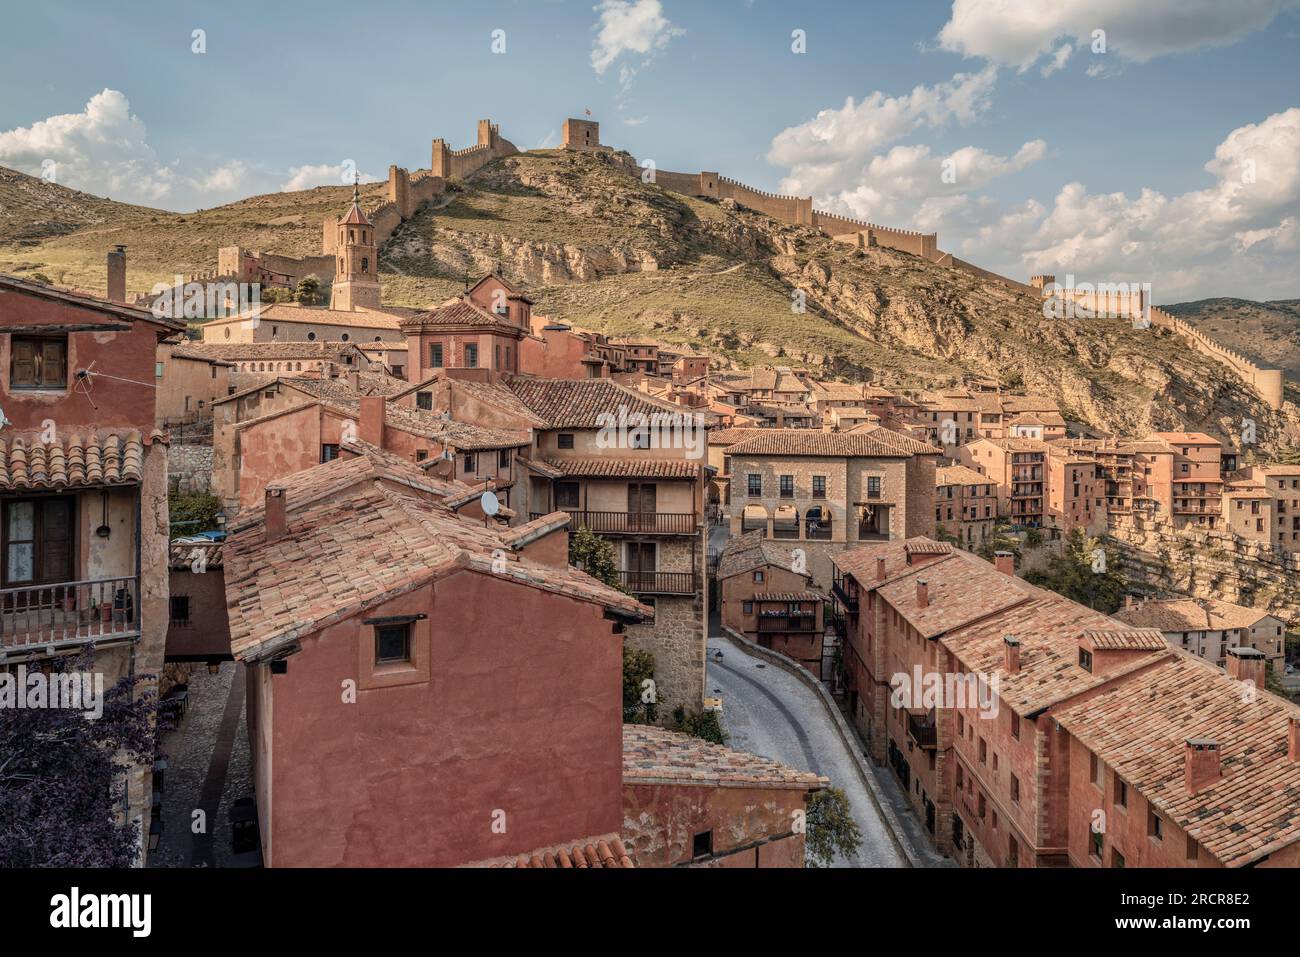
769, 711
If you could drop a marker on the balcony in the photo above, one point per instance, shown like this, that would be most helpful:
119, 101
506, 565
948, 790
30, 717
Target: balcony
921, 728
69, 613
805, 624
632, 523
657, 583
849, 602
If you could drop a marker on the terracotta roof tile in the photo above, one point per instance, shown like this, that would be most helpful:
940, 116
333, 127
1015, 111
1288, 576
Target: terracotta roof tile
875, 443
747, 552
73, 460
460, 311
577, 403
597, 852
626, 468
1190, 614
1126, 639
654, 755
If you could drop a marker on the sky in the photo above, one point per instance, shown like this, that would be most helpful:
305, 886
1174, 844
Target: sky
1112, 140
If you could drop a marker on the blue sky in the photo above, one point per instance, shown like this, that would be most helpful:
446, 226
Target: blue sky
1064, 159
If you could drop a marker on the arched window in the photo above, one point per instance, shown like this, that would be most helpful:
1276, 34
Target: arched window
352, 235
227, 332
365, 264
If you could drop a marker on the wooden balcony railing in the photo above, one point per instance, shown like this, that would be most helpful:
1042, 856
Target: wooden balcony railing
69, 612
633, 523
797, 625
658, 583
921, 728
849, 602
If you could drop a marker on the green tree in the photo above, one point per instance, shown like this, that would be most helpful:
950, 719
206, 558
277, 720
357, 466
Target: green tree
193, 512
638, 668
308, 291
830, 827
704, 725
595, 556
1084, 572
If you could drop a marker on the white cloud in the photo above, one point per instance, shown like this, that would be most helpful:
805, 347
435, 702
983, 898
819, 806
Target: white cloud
828, 152
1019, 32
323, 174
629, 27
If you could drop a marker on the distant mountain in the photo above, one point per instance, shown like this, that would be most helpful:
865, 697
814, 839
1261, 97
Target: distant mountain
1265, 330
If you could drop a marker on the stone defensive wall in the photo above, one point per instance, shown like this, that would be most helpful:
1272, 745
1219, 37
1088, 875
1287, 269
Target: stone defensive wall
1266, 381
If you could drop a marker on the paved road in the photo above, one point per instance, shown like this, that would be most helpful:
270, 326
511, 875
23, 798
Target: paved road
769, 711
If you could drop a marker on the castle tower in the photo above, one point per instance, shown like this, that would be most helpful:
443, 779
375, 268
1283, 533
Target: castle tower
356, 266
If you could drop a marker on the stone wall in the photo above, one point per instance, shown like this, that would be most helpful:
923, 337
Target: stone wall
676, 637
189, 468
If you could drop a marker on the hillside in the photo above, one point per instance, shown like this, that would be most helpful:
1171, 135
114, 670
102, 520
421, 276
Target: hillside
1267, 330
598, 248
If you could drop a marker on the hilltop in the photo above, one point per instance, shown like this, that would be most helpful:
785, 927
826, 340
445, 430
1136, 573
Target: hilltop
1267, 330
596, 247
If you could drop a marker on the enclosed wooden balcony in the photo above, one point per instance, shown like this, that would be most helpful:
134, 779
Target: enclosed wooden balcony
66, 614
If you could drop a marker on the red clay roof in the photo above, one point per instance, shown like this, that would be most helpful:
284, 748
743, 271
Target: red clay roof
461, 311
626, 468
582, 403
654, 755
877, 443
73, 460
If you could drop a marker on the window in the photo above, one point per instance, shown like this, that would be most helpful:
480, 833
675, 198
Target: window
1085, 659
787, 486
1193, 849
747, 607
424, 400
471, 463
873, 486
503, 459
435, 355
961, 729
758, 577
1121, 792
1094, 770
1095, 843
328, 453
421, 455
1116, 858
1015, 726
1013, 853
819, 486
180, 609
702, 844
392, 643
564, 440
38, 363
158, 370
984, 751
1155, 826
1015, 789
755, 485
471, 356
566, 495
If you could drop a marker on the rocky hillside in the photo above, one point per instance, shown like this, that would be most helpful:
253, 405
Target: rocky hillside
597, 247
1267, 330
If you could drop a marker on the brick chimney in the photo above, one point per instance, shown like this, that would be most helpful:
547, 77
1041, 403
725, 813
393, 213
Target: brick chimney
922, 593
1247, 664
1200, 764
880, 568
1011, 649
1005, 562
371, 426
117, 274
277, 523
1293, 738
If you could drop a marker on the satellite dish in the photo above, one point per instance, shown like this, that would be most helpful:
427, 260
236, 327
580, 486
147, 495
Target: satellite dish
489, 504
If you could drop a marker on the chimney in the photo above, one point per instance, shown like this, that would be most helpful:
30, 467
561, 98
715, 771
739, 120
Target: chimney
117, 275
1005, 562
371, 427
1011, 647
1200, 764
880, 568
922, 593
354, 380
277, 522
1293, 738
1247, 664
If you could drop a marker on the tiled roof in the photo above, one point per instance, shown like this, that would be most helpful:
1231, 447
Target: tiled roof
82, 300
732, 436
460, 311
788, 596
72, 460
243, 351
654, 755
361, 531
576, 403
354, 217
750, 551
489, 393
926, 547
959, 475
181, 556
606, 851
197, 355
626, 468
318, 316
877, 443
961, 588
1126, 639
1187, 438
1189, 614
1140, 728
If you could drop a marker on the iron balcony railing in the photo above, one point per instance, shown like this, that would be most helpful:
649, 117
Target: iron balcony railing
849, 602
633, 523
922, 729
73, 612
658, 583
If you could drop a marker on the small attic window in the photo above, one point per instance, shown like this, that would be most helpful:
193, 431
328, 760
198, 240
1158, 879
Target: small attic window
1085, 659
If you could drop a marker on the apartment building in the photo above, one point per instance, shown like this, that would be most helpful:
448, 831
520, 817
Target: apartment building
826, 491
1019, 469
998, 704
1208, 628
1282, 484
965, 504
1195, 488
83, 489
1075, 492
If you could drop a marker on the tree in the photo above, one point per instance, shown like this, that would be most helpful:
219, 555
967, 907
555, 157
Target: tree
1084, 573
638, 668
63, 777
830, 827
193, 512
308, 291
595, 556
704, 725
